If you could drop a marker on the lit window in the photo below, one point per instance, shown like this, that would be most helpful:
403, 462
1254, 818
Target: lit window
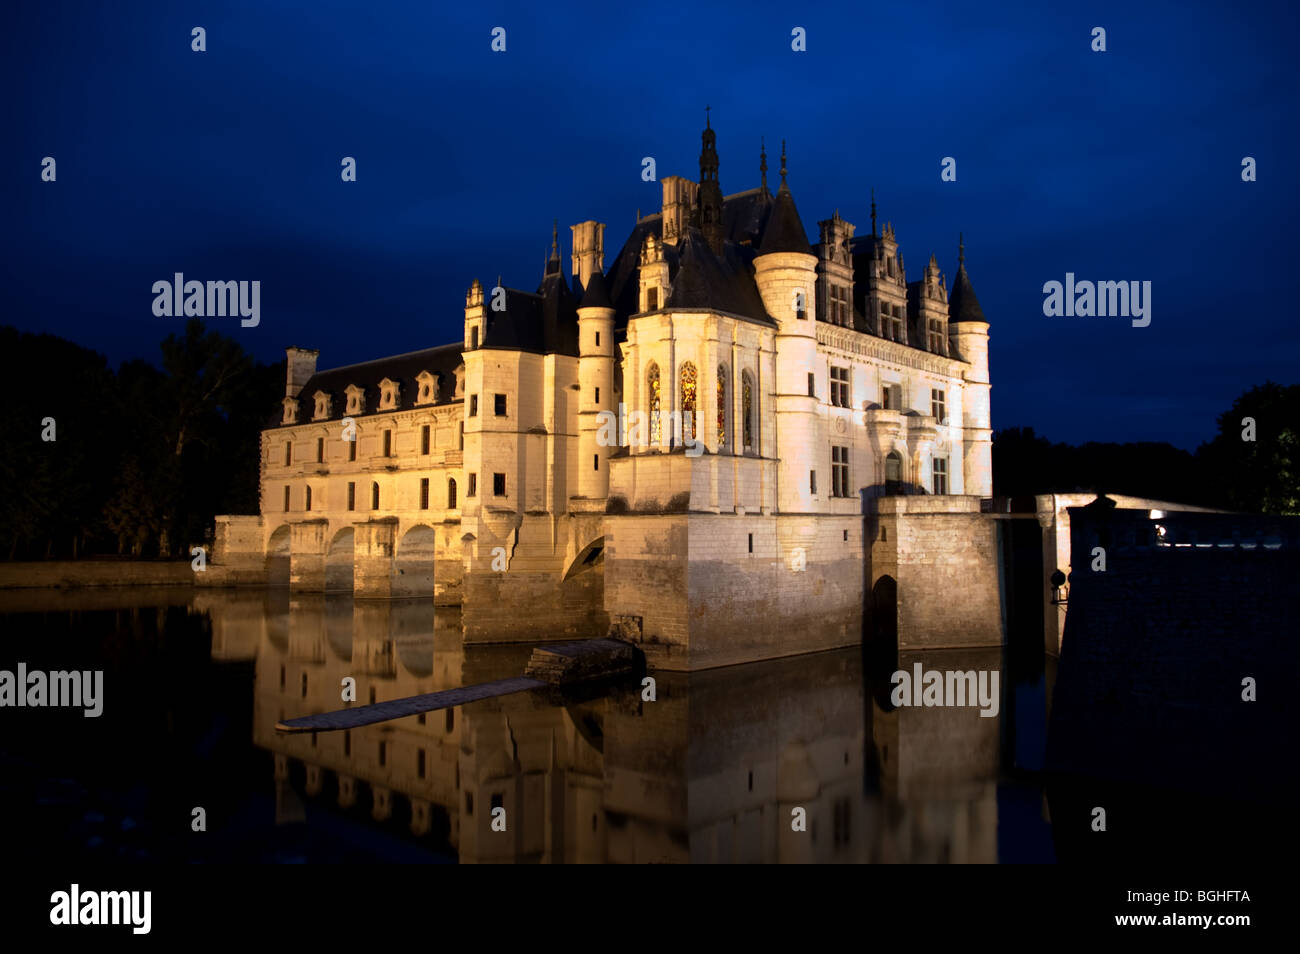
940, 473
652, 386
688, 402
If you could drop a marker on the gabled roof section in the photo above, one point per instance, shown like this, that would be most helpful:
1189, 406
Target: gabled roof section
402, 368
709, 283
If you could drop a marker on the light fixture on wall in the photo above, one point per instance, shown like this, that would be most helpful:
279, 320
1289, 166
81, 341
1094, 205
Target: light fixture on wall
1060, 588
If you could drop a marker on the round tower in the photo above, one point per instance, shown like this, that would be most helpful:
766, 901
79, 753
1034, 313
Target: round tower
786, 273
968, 333
598, 418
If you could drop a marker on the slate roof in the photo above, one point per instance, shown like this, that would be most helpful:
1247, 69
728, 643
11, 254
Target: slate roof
962, 303
441, 362
543, 322
784, 232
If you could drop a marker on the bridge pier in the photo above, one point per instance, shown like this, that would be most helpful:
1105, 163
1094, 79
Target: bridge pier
373, 547
308, 544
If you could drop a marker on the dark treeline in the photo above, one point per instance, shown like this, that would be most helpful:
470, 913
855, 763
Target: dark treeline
1231, 471
142, 458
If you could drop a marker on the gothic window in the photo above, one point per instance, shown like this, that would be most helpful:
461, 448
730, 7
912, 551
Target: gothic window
451, 494
747, 409
940, 473
722, 407
893, 473
652, 386
688, 402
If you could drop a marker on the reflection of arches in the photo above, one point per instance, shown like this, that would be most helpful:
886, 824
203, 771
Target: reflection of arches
277, 557
339, 561
413, 563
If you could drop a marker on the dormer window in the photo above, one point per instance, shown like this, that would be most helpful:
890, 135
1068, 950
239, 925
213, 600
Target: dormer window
389, 394
324, 406
290, 411
428, 393
356, 399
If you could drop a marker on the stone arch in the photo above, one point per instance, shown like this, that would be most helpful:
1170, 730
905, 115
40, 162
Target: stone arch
413, 562
277, 557
592, 556
340, 561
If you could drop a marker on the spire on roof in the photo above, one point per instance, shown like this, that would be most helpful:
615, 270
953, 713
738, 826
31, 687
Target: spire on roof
962, 303
762, 164
709, 208
783, 185
961, 251
553, 263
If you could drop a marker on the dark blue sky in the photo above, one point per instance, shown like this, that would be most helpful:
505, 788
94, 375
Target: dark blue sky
1123, 165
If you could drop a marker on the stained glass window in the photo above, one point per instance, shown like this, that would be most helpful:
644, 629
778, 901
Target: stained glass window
652, 381
688, 402
722, 407
747, 408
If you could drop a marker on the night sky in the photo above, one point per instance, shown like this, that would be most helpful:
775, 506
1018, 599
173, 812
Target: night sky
225, 165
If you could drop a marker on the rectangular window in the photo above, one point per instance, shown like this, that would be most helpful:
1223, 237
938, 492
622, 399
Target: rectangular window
595, 462
352, 496
462, 435
352, 448
651, 299
840, 387
812, 481
839, 471
308, 505
597, 339
499, 405
374, 496
751, 543
286, 499
424, 439
473, 338
939, 405
388, 443
937, 337
892, 397
498, 485
940, 473
320, 450
812, 384
473, 486
473, 405
288, 453
597, 395
424, 493
885, 324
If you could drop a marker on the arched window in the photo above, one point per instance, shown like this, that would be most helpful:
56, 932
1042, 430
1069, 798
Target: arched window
893, 473
688, 402
652, 386
722, 407
451, 494
747, 409
374, 496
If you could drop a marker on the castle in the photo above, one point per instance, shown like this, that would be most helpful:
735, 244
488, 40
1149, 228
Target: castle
810, 438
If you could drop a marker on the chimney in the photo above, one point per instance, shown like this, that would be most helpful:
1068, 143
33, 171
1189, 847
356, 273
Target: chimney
679, 201
301, 365
588, 250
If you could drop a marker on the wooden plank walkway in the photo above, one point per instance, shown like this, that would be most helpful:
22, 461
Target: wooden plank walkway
411, 705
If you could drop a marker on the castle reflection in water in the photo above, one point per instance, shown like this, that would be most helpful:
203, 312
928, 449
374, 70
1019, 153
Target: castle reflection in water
709, 771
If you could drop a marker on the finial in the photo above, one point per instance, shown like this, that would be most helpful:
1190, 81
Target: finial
555, 239
783, 163
873, 212
638, 215
961, 251
706, 117
762, 162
